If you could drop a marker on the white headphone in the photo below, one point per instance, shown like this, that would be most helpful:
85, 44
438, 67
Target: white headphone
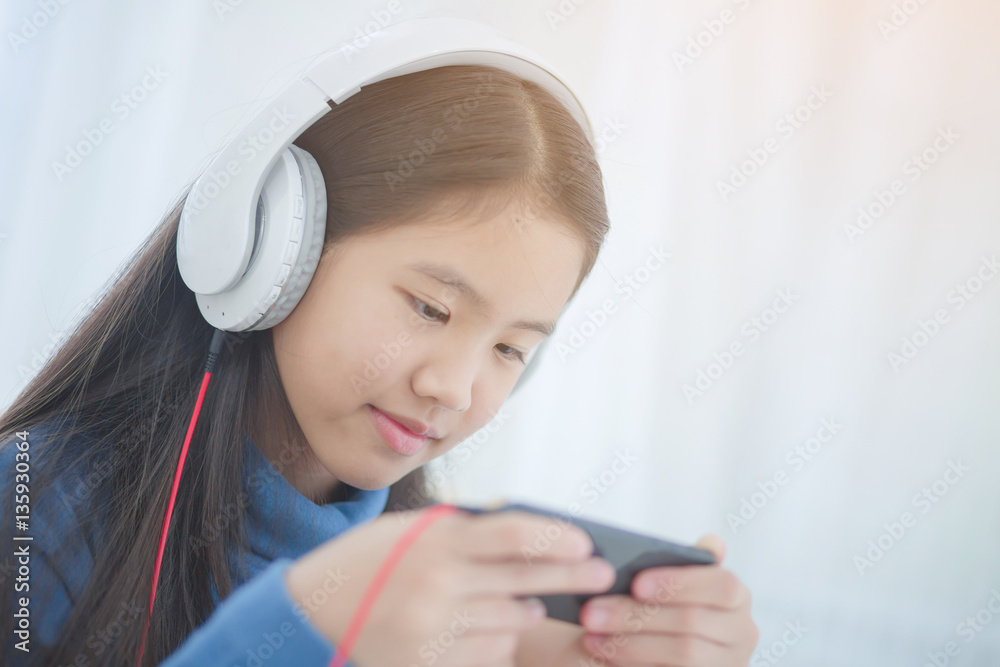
252, 228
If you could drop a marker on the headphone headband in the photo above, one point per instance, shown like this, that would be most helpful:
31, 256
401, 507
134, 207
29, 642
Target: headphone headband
252, 228
215, 238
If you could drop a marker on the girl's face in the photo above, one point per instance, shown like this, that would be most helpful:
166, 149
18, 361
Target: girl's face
386, 323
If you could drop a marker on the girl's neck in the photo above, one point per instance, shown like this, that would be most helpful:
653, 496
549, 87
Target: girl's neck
303, 472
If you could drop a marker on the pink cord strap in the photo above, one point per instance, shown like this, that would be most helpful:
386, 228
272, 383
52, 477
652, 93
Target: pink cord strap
375, 587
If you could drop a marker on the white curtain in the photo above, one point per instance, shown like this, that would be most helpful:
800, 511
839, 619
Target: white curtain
790, 339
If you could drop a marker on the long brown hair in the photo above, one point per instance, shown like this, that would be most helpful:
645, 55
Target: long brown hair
126, 380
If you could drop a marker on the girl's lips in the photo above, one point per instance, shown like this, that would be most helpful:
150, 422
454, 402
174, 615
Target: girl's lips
401, 439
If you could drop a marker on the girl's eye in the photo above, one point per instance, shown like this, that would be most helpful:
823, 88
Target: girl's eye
430, 313
424, 309
513, 354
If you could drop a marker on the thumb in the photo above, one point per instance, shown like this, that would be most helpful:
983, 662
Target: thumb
713, 543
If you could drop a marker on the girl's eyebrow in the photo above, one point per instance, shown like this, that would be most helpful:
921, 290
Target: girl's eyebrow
447, 275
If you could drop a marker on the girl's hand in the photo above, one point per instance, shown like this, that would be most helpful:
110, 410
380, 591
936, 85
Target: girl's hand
450, 599
689, 615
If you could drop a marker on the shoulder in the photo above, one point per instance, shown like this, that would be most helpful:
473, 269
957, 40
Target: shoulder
58, 474
250, 626
50, 512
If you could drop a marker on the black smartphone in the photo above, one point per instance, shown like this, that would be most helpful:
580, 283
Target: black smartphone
627, 551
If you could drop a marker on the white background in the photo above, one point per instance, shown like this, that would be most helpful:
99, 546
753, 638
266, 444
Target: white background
684, 128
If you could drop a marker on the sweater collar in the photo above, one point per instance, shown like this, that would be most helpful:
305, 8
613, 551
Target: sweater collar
282, 523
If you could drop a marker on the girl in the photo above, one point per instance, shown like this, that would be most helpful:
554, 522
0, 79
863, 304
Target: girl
460, 266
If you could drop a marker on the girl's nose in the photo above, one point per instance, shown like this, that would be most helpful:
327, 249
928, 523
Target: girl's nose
447, 379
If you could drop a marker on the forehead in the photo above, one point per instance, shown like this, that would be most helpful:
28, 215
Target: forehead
510, 258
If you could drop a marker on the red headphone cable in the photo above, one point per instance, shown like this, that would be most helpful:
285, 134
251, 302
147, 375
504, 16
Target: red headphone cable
214, 349
374, 588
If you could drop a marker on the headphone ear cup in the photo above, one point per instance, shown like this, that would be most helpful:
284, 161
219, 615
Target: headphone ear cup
304, 265
290, 228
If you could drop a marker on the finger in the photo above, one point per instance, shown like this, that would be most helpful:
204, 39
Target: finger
715, 544
657, 649
518, 535
706, 585
542, 578
492, 613
627, 615
456, 645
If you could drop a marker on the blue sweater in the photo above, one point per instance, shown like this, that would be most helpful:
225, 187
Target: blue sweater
258, 624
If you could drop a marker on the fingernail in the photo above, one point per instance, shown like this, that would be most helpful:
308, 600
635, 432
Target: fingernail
599, 571
536, 608
597, 616
582, 545
646, 588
